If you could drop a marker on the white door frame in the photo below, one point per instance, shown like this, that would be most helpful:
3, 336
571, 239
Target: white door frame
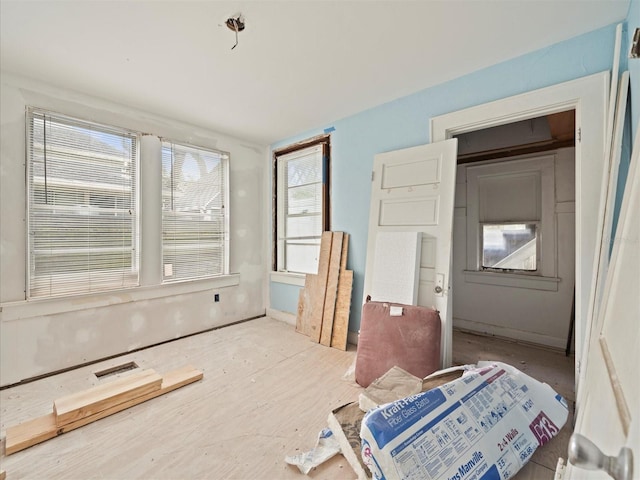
589, 97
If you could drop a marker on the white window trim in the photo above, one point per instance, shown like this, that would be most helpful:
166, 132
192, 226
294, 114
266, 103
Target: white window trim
289, 278
150, 276
31, 113
12, 311
280, 274
517, 280
545, 165
224, 159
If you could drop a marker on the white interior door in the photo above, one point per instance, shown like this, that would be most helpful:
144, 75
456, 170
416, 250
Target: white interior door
413, 191
609, 397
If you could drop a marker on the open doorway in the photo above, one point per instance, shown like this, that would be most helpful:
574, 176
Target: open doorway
588, 97
513, 270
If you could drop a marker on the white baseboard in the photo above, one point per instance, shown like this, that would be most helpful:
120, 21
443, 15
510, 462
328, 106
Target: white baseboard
510, 333
285, 317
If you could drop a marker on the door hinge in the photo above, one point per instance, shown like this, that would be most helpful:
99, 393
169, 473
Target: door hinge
579, 135
372, 175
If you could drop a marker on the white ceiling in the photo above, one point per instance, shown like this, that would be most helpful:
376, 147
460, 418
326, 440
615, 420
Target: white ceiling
299, 64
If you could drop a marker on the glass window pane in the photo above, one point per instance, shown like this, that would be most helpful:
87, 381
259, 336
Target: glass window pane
194, 186
306, 226
82, 210
300, 207
305, 199
509, 246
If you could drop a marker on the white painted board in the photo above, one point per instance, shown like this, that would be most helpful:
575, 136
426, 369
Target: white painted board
396, 267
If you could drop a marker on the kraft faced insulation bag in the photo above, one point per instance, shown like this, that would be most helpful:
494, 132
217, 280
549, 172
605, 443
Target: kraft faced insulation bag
485, 425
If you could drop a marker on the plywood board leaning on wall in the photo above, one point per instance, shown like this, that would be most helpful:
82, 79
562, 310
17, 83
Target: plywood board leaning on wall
325, 300
331, 292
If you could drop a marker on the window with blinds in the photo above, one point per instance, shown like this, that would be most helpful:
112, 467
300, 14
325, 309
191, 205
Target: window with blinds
82, 220
194, 212
302, 210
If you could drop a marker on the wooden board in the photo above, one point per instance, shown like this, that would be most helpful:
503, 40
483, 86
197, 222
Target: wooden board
30, 433
300, 318
343, 307
345, 250
331, 291
303, 320
44, 428
101, 397
317, 293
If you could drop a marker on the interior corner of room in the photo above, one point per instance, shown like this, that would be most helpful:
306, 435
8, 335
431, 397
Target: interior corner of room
493, 179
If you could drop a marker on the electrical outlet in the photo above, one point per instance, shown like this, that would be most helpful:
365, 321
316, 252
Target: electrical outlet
216, 297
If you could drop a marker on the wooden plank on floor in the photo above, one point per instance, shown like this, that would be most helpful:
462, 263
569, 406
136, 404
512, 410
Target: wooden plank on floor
343, 307
331, 291
101, 397
318, 292
29, 433
44, 428
171, 381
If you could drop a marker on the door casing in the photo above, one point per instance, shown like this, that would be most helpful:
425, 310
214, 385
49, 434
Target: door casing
588, 96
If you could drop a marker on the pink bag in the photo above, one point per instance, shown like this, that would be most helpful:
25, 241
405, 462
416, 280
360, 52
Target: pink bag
410, 341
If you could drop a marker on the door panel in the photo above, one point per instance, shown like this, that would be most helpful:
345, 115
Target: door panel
413, 191
609, 396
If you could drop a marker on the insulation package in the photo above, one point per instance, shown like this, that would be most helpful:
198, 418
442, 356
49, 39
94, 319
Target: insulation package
485, 425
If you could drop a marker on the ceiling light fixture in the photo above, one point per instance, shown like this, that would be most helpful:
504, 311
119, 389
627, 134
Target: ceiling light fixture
237, 24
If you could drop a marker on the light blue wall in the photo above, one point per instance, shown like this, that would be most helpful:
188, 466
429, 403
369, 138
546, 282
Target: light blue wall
405, 123
633, 106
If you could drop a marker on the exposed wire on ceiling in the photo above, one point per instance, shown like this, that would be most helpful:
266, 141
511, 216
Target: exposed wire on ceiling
237, 24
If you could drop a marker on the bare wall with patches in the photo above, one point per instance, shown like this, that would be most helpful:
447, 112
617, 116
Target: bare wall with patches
38, 337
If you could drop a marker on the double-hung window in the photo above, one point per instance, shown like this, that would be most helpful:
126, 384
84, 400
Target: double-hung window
510, 217
195, 216
302, 213
82, 194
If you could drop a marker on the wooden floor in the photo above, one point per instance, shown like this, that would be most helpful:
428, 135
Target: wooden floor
266, 393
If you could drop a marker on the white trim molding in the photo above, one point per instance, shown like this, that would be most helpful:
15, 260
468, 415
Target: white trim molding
588, 97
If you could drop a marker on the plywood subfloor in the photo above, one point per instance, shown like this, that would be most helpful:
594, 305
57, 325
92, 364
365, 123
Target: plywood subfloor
266, 393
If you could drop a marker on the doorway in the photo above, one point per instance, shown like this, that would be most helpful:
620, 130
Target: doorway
588, 97
514, 231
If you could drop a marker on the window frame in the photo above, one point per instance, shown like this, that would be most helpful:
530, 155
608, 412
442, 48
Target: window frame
278, 253
225, 163
546, 255
519, 271
31, 113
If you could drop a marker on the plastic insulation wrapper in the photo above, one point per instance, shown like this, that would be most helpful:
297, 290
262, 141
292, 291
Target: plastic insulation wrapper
326, 447
485, 425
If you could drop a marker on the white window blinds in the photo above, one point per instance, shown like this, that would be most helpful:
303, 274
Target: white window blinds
194, 212
82, 206
300, 209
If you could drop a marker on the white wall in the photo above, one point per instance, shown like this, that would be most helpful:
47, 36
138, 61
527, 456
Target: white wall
43, 336
526, 314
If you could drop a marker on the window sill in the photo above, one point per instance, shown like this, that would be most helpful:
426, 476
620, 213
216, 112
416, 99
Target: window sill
288, 278
532, 282
51, 306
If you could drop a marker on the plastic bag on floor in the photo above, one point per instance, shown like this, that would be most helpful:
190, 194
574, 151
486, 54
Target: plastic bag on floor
326, 447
